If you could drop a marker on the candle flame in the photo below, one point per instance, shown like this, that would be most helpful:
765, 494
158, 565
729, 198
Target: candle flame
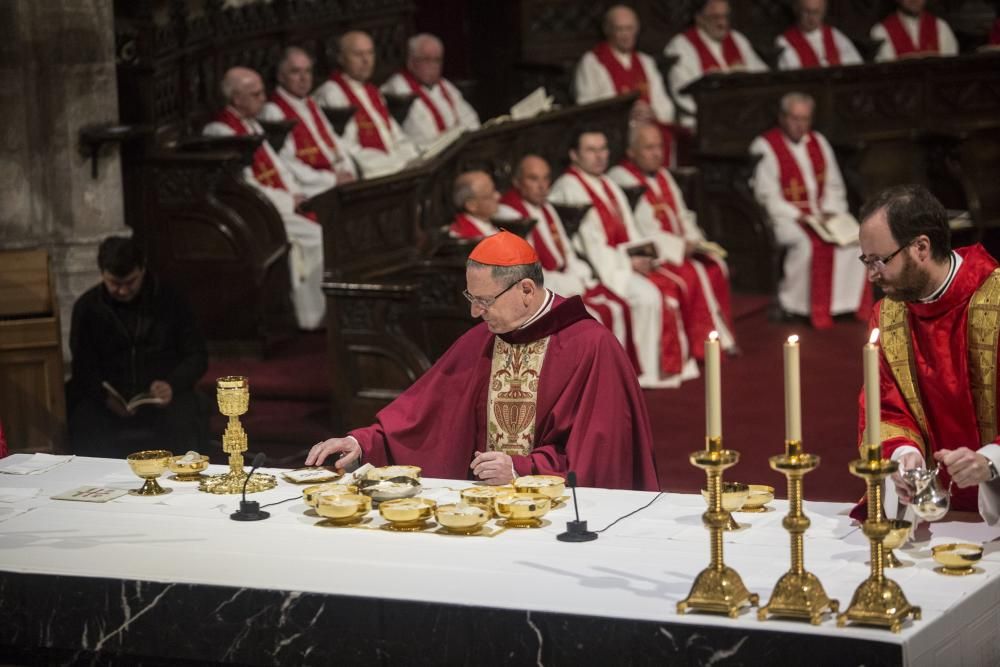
793, 339
874, 337
713, 335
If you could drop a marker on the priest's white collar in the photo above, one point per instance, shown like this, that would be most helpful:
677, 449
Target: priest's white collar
955, 261
543, 310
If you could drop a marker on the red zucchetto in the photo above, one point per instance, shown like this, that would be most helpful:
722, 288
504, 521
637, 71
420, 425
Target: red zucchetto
503, 249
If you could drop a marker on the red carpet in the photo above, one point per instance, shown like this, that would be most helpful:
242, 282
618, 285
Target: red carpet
289, 404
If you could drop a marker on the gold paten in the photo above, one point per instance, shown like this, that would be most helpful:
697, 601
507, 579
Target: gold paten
798, 593
718, 589
757, 501
233, 396
149, 465
877, 601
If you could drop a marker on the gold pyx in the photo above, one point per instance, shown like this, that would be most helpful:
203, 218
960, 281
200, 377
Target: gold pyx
717, 589
233, 396
798, 593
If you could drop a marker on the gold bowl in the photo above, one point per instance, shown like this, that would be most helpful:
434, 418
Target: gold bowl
343, 509
485, 496
391, 488
957, 559
734, 496
760, 496
523, 510
461, 518
899, 532
547, 485
407, 513
311, 494
388, 472
149, 465
187, 471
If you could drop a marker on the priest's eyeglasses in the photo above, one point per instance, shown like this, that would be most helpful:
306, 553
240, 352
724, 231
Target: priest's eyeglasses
485, 302
878, 264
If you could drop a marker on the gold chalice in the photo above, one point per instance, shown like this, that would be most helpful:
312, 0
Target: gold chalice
899, 532
407, 513
149, 465
342, 509
552, 486
957, 559
462, 519
523, 510
485, 496
760, 496
187, 469
232, 394
734, 496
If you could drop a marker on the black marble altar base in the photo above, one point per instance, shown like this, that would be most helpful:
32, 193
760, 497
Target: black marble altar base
49, 620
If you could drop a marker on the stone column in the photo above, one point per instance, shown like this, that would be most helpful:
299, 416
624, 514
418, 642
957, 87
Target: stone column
57, 75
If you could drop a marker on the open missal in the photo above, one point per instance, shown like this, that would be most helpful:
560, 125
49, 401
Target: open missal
132, 404
841, 229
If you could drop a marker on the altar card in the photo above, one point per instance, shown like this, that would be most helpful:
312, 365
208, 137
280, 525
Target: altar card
91, 494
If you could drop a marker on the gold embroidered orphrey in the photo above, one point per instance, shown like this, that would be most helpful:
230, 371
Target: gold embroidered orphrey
983, 329
513, 398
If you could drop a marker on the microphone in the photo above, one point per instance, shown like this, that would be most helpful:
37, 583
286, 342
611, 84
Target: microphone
250, 509
576, 531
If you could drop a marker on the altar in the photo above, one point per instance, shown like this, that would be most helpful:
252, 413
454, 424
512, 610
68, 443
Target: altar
172, 580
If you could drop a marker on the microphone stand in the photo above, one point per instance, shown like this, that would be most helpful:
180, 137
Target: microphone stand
576, 531
250, 509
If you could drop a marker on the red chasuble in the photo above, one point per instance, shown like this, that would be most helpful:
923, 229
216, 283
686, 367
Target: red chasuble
901, 41
730, 52
590, 417
940, 365
417, 89
368, 134
306, 148
807, 55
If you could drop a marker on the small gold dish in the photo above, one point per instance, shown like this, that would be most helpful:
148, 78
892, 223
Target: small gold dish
407, 513
547, 485
311, 494
523, 510
899, 532
957, 559
462, 519
485, 496
187, 470
149, 465
734, 496
314, 475
343, 509
392, 488
760, 496
388, 472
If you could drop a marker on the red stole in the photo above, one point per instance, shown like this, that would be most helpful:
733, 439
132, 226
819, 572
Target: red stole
264, 169
419, 91
807, 55
368, 134
730, 52
901, 41
306, 148
464, 228
551, 259
664, 205
624, 80
611, 220
794, 190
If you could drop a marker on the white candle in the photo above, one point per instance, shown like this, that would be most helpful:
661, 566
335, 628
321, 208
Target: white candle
873, 412
793, 394
713, 387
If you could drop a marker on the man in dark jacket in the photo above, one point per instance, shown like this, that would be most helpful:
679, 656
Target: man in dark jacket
132, 336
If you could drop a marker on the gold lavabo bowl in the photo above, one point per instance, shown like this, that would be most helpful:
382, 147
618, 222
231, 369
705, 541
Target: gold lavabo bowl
407, 513
149, 464
388, 472
547, 485
187, 470
311, 494
957, 559
523, 510
485, 496
392, 488
461, 518
760, 496
343, 509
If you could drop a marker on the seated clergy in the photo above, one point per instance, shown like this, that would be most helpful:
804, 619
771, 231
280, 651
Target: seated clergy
706, 47
565, 273
477, 201
534, 354
813, 43
661, 216
615, 67
244, 91
312, 150
913, 32
439, 106
373, 136
626, 264
797, 176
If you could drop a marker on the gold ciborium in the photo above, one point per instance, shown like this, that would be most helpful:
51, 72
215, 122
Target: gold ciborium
877, 601
798, 593
718, 588
233, 396
149, 465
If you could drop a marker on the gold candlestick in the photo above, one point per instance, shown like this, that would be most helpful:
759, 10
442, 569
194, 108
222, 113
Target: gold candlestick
718, 588
798, 593
877, 601
233, 396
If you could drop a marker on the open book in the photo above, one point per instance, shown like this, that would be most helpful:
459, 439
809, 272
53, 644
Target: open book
640, 248
711, 248
532, 105
132, 404
841, 229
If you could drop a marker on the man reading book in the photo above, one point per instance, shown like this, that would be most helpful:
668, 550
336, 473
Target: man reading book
132, 335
